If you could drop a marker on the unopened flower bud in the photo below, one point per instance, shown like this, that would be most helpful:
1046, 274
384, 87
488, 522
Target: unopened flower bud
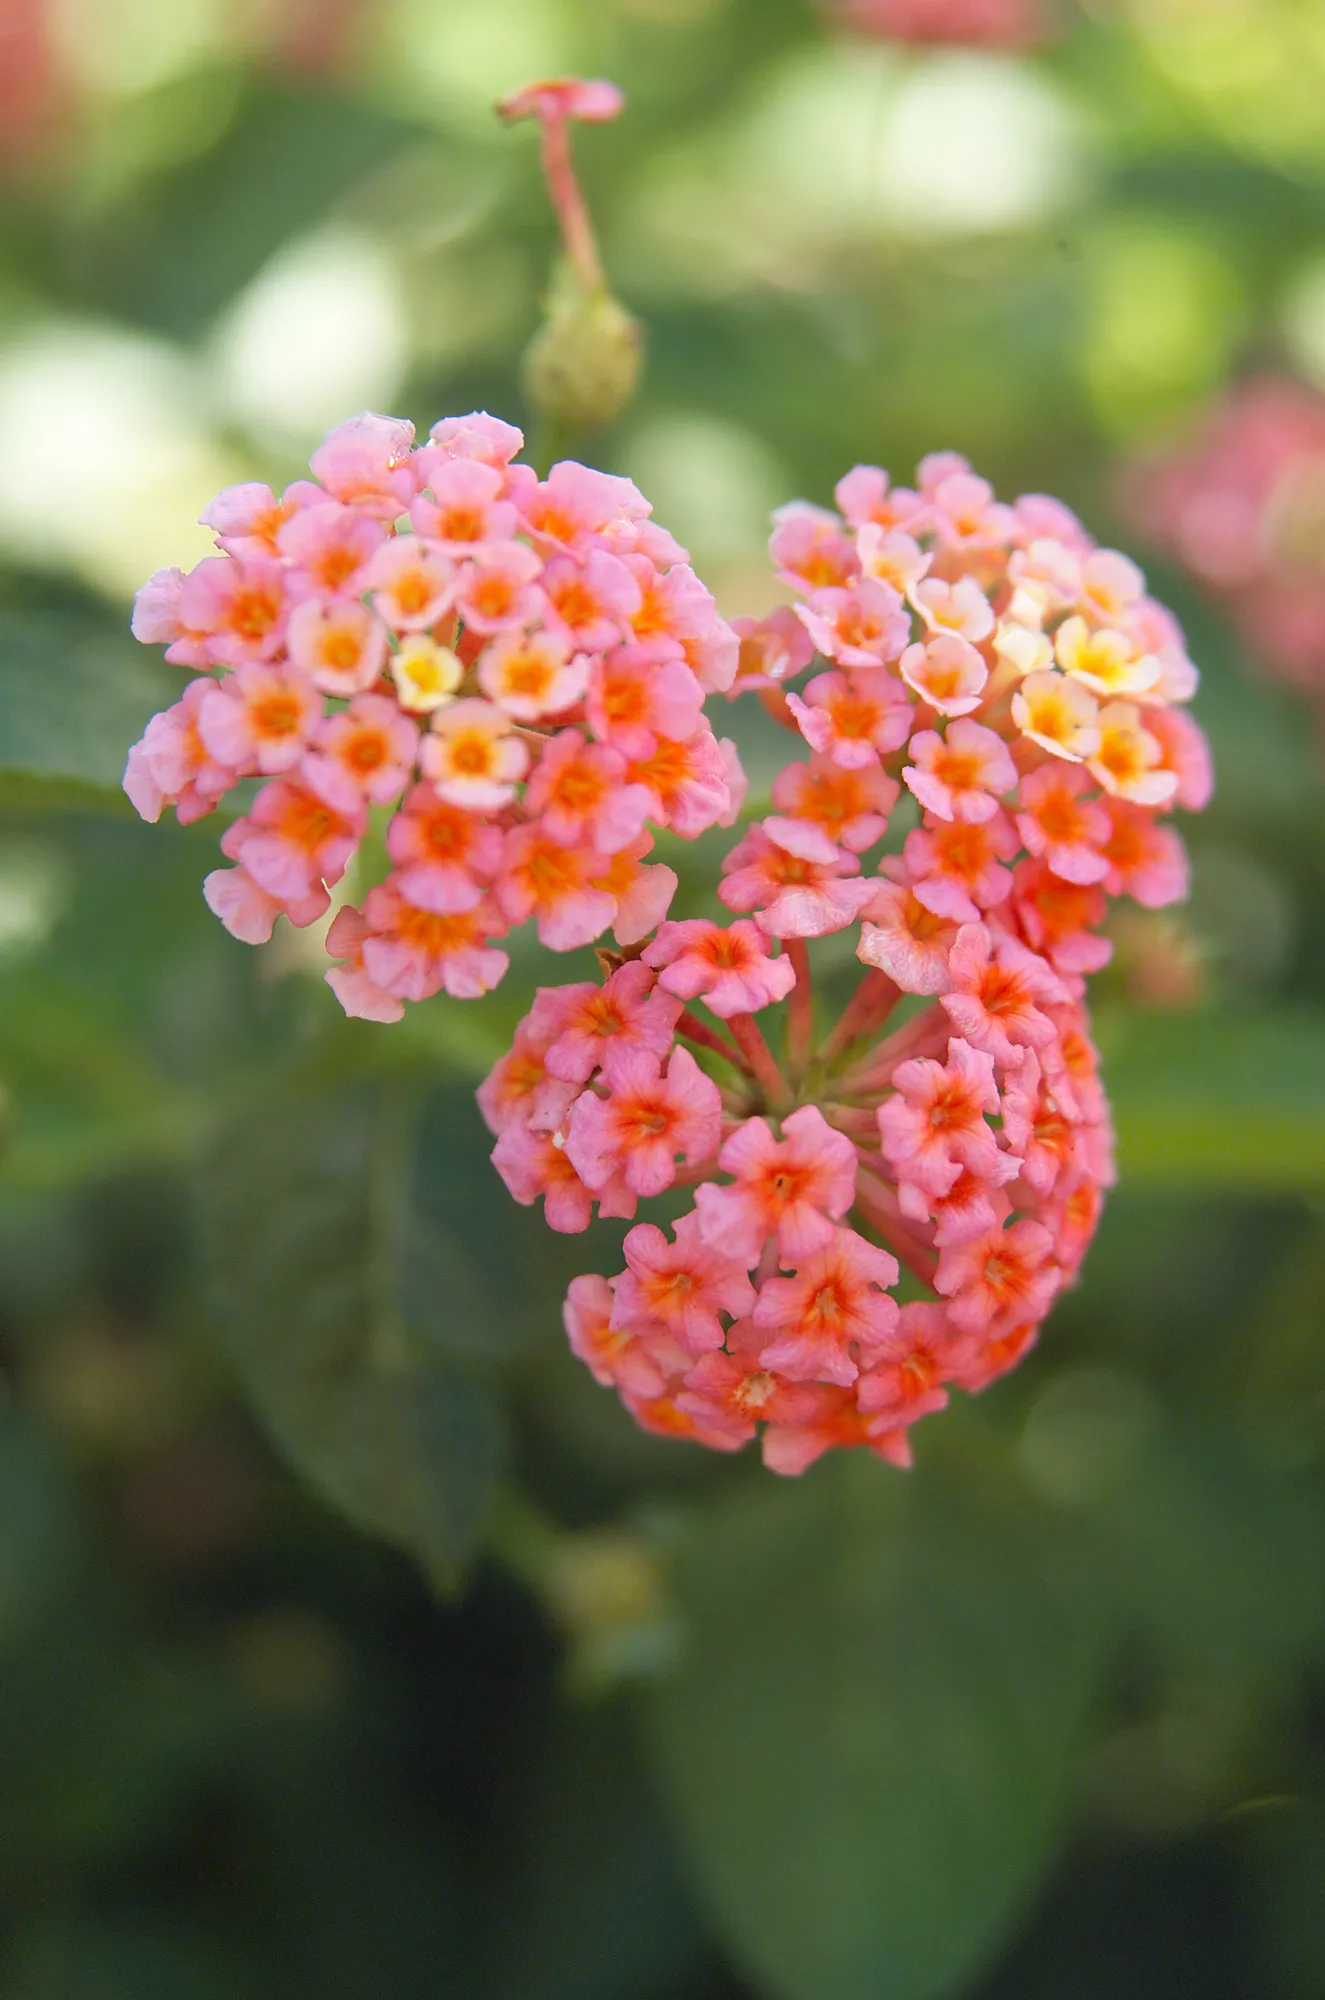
582, 366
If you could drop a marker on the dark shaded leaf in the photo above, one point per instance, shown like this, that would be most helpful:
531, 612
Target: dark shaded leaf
336, 1296
871, 1744
74, 694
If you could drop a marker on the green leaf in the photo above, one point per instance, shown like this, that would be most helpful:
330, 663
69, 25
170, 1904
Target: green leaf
872, 1741
193, 241
337, 1298
1215, 1100
1217, 1552
37, 1534
74, 694
588, 1865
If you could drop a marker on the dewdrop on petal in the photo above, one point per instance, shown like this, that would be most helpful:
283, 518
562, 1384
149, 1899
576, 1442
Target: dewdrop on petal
970, 1145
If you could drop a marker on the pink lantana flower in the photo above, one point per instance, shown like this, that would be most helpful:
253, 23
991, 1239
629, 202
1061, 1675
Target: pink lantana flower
936, 1124
728, 967
915, 1360
292, 842
366, 463
249, 913
331, 548
1130, 759
172, 765
962, 509
340, 646
947, 672
688, 781
792, 895
259, 719
496, 592
731, 1392
794, 1188
463, 506
832, 1315
1057, 820
903, 938
681, 1286
648, 1119
247, 519
961, 775
961, 608
633, 702
606, 1027
772, 650
853, 719
445, 857
362, 999
615, 1356
954, 865
1058, 713
867, 497
996, 994
864, 626
529, 675
364, 754
472, 757
413, 583
534, 1166
231, 613
1059, 919
642, 891
1144, 860
590, 602
999, 1279
809, 548
850, 808
579, 790
542, 878
415, 953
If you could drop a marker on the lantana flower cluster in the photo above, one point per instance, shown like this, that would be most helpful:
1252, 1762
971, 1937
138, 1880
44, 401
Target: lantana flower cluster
1241, 504
514, 668
1010, 685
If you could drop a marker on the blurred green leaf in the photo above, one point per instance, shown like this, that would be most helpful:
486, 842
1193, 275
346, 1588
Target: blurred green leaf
1285, 1841
147, 1957
1219, 1100
872, 1741
335, 1293
1217, 1552
176, 257
591, 1871
36, 1527
74, 694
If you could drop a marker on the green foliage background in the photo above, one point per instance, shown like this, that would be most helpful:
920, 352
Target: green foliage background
352, 1643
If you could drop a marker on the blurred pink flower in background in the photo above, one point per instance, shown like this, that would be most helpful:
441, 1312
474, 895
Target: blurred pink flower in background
964, 23
1241, 504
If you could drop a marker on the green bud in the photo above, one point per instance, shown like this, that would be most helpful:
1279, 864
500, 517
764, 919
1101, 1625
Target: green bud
582, 366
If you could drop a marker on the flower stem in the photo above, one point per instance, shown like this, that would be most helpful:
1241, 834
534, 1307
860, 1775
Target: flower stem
866, 1011
699, 1031
762, 1063
568, 201
925, 1034
877, 1202
800, 1009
